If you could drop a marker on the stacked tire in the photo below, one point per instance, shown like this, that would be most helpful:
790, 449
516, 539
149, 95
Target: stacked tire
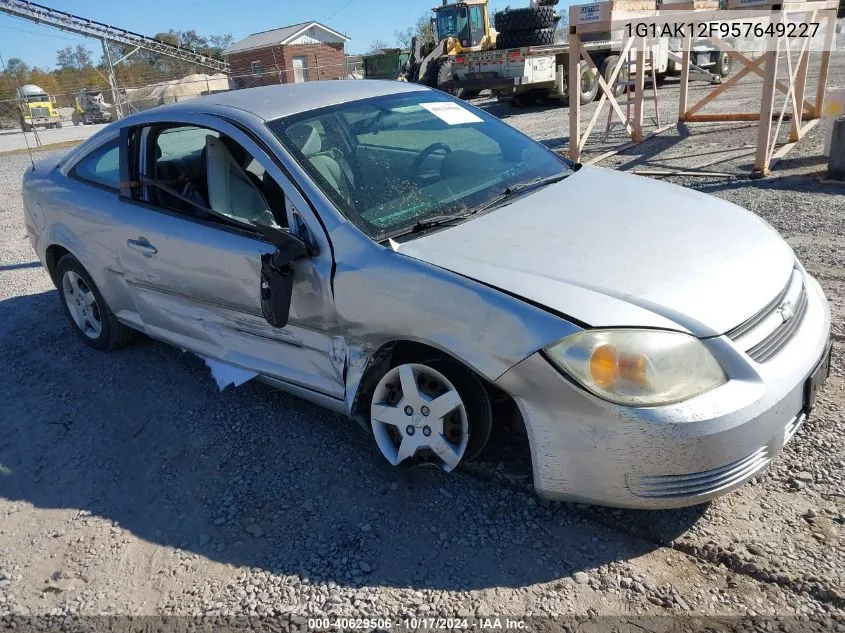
531, 26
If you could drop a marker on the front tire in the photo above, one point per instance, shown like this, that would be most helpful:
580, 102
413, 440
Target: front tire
84, 306
434, 411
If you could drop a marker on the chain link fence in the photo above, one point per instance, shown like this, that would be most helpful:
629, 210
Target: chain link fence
155, 80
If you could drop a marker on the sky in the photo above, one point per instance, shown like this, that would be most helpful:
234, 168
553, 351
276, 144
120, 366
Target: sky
362, 20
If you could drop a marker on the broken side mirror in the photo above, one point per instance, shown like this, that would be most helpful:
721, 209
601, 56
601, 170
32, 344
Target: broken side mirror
277, 269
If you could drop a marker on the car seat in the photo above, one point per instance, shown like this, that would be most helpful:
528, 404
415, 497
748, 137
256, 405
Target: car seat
231, 192
331, 164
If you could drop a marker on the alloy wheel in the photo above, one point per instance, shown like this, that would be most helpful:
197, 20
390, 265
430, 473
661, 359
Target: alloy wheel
82, 305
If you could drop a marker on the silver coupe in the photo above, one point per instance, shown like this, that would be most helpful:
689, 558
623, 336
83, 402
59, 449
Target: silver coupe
409, 260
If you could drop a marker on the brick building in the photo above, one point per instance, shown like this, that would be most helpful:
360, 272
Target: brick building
309, 51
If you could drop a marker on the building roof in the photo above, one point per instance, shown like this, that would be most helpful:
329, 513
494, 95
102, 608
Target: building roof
278, 36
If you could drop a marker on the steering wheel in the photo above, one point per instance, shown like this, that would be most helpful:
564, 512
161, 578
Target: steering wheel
420, 159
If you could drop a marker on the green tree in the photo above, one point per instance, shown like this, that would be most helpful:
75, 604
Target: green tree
192, 40
219, 43
65, 58
422, 30
377, 46
70, 57
18, 69
83, 57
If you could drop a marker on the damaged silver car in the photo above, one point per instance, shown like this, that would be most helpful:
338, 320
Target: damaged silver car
407, 259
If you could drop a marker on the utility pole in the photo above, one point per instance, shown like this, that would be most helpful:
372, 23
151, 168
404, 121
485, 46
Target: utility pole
115, 96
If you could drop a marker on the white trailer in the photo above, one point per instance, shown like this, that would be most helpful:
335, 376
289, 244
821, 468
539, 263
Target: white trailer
524, 75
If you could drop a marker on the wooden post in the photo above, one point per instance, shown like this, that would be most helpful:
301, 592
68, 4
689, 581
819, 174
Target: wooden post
685, 62
639, 85
574, 87
800, 86
767, 104
825, 62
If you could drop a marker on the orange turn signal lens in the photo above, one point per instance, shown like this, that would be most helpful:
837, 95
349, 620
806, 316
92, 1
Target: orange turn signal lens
603, 366
608, 366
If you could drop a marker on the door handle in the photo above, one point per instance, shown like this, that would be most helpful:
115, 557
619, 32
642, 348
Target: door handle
142, 245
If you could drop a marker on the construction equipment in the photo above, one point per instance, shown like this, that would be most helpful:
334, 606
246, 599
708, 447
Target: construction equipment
91, 107
39, 14
457, 28
36, 108
530, 64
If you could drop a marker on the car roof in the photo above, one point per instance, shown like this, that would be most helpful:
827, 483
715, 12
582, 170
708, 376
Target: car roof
272, 102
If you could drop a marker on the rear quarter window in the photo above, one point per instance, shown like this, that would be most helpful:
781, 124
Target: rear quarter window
101, 166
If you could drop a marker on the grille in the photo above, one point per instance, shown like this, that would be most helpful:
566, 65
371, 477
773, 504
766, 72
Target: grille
703, 483
40, 112
765, 334
793, 426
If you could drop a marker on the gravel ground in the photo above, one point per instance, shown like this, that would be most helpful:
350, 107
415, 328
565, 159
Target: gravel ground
130, 485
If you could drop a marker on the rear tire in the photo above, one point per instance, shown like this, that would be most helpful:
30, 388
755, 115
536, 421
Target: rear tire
589, 83
85, 308
607, 67
526, 99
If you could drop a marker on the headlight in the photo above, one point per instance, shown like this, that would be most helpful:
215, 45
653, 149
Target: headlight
642, 368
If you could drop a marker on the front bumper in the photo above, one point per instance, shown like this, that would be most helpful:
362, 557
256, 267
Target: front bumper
588, 450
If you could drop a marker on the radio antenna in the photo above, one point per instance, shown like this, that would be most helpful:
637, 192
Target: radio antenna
23, 131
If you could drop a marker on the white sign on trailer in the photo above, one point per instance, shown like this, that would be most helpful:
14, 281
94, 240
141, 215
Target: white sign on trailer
589, 13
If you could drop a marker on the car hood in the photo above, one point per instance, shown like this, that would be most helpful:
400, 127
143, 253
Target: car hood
612, 249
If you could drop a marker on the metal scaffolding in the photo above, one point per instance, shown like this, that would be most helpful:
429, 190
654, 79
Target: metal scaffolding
39, 14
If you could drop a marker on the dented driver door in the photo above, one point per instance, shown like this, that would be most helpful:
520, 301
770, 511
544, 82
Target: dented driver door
197, 284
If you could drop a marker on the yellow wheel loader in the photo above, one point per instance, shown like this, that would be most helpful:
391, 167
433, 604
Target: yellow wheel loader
458, 28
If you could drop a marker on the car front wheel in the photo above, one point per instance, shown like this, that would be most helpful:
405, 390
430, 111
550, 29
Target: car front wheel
435, 412
86, 309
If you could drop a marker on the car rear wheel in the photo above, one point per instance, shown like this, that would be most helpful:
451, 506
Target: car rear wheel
435, 412
86, 309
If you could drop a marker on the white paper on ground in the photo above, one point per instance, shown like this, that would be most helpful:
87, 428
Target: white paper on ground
225, 374
451, 113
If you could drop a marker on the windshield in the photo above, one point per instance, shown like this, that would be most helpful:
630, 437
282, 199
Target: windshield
37, 98
391, 161
452, 21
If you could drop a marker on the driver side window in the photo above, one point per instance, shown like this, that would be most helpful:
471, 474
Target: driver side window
202, 173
